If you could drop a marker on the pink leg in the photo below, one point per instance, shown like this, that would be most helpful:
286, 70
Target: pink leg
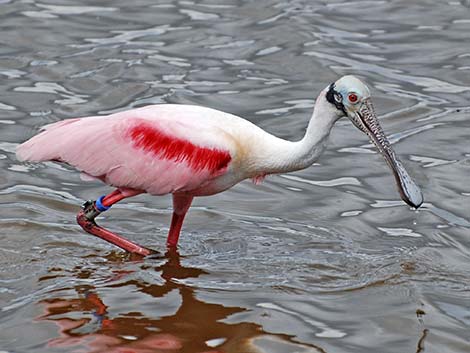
181, 205
91, 209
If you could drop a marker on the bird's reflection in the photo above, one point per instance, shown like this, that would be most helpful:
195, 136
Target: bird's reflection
87, 323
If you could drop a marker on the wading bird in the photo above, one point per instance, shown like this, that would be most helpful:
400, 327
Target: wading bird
190, 151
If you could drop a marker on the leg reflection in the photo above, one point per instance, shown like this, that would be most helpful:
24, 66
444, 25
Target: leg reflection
132, 312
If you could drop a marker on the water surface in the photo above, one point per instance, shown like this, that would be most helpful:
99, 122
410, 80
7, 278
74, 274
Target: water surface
328, 259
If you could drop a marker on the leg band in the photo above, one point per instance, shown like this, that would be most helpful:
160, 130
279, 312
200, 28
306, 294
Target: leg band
99, 205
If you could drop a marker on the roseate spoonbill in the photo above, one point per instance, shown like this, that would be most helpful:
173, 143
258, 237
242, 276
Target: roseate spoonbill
193, 151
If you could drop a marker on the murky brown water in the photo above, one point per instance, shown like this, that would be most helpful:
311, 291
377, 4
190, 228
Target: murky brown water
324, 260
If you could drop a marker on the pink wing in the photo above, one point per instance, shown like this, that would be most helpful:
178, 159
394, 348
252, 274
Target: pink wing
136, 149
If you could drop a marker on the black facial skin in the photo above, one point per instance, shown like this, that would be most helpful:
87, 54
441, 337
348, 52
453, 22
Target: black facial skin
335, 98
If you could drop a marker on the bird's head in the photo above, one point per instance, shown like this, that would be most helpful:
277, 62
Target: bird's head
351, 98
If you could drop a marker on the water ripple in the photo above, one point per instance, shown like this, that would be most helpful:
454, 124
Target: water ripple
128, 37
55, 88
198, 15
326, 183
325, 331
429, 84
73, 10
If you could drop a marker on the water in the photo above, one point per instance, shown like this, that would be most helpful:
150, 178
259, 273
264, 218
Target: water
328, 259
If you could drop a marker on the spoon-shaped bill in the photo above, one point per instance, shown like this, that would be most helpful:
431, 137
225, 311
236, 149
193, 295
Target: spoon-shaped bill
366, 120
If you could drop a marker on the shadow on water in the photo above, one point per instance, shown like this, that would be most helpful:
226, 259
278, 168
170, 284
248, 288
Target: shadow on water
86, 322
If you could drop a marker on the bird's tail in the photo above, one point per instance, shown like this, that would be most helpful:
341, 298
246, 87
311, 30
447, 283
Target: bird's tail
46, 145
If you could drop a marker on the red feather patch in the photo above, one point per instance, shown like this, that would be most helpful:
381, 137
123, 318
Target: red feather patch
147, 137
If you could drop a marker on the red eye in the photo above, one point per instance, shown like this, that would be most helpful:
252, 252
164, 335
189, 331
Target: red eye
352, 97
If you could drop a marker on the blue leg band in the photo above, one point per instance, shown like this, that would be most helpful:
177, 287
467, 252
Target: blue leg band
99, 205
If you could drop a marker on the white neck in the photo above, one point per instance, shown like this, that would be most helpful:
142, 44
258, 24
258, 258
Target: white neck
281, 156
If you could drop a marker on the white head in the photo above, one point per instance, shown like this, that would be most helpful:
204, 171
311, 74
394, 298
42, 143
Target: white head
351, 98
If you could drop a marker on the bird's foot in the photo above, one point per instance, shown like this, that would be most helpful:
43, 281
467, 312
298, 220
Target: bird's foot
89, 210
86, 219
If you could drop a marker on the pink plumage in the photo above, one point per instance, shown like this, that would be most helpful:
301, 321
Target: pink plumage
144, 149
149, 137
